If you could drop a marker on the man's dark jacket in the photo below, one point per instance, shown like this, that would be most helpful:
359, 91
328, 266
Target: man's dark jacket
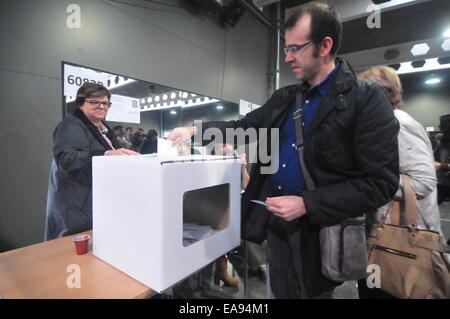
351, 153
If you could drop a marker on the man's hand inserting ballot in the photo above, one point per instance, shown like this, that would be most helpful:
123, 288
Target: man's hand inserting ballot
180, 134
286, 207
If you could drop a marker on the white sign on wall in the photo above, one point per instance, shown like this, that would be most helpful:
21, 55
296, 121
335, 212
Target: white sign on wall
124, 109
75, 76
246, 107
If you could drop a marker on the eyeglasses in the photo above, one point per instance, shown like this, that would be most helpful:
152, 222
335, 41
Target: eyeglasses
98, 103
296, 48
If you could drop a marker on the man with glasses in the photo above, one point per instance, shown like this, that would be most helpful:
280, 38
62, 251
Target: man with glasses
76, 140
349, 146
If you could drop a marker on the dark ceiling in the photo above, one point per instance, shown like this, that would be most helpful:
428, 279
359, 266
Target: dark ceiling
141, 89
415, 82
415, 22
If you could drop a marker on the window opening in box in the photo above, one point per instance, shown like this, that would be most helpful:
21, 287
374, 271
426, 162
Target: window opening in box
206, 211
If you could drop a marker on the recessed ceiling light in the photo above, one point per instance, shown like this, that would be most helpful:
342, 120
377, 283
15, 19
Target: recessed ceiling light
446, 45
444, 60
173, 112
219, 107
165, 97
431, 64
418, 64
420, 49
447, 33
432, 81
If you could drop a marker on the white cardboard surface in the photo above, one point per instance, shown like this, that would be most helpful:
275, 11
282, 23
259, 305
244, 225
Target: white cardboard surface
138, 217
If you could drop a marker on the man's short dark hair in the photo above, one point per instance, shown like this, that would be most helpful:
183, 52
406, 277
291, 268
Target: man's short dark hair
88, 90
117, 127
325, 22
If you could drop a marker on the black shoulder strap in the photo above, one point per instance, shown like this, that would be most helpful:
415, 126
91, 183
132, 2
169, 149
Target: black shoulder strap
299, 138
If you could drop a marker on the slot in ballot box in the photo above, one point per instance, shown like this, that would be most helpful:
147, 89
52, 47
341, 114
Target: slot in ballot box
161, 219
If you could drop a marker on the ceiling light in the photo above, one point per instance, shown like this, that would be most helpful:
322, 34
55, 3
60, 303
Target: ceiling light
142, 100
446, 45
157, 98
418, 64
149, 100
165, 97
447, 33
395, 66
432, 81
185, 95
420, 49
430, 64
173, 95
219, 107
391, 54
444, 60
173, 112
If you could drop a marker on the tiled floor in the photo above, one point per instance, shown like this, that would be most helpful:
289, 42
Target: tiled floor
256, 289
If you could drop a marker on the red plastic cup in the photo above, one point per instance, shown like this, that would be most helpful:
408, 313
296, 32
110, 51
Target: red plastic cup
81, 244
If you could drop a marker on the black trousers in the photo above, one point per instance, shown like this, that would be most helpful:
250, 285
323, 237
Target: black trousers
443, 192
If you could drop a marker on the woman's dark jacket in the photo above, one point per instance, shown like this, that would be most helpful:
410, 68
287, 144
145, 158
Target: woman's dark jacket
69, 204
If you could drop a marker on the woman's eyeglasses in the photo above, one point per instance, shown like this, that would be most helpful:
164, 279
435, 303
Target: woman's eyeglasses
98, 103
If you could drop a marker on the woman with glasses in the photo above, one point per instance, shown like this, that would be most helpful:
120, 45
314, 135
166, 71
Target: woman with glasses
76, 140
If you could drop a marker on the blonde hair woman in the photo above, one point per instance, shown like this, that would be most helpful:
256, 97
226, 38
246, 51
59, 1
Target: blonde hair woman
415, 158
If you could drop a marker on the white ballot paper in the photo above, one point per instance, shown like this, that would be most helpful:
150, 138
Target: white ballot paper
165, 148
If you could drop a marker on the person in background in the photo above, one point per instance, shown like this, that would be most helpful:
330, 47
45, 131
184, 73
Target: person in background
415, 160
136, 140
129, 131
150, 143
76, 140
120, 136
442, 158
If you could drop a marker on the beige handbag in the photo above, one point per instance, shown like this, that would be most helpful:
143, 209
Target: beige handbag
411, 260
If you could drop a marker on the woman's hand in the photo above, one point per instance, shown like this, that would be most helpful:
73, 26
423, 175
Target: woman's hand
122, 151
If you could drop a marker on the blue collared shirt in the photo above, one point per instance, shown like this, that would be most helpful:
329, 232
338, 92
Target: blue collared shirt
289, 180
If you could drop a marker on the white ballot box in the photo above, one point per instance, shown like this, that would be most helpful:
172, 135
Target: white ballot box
161, 219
